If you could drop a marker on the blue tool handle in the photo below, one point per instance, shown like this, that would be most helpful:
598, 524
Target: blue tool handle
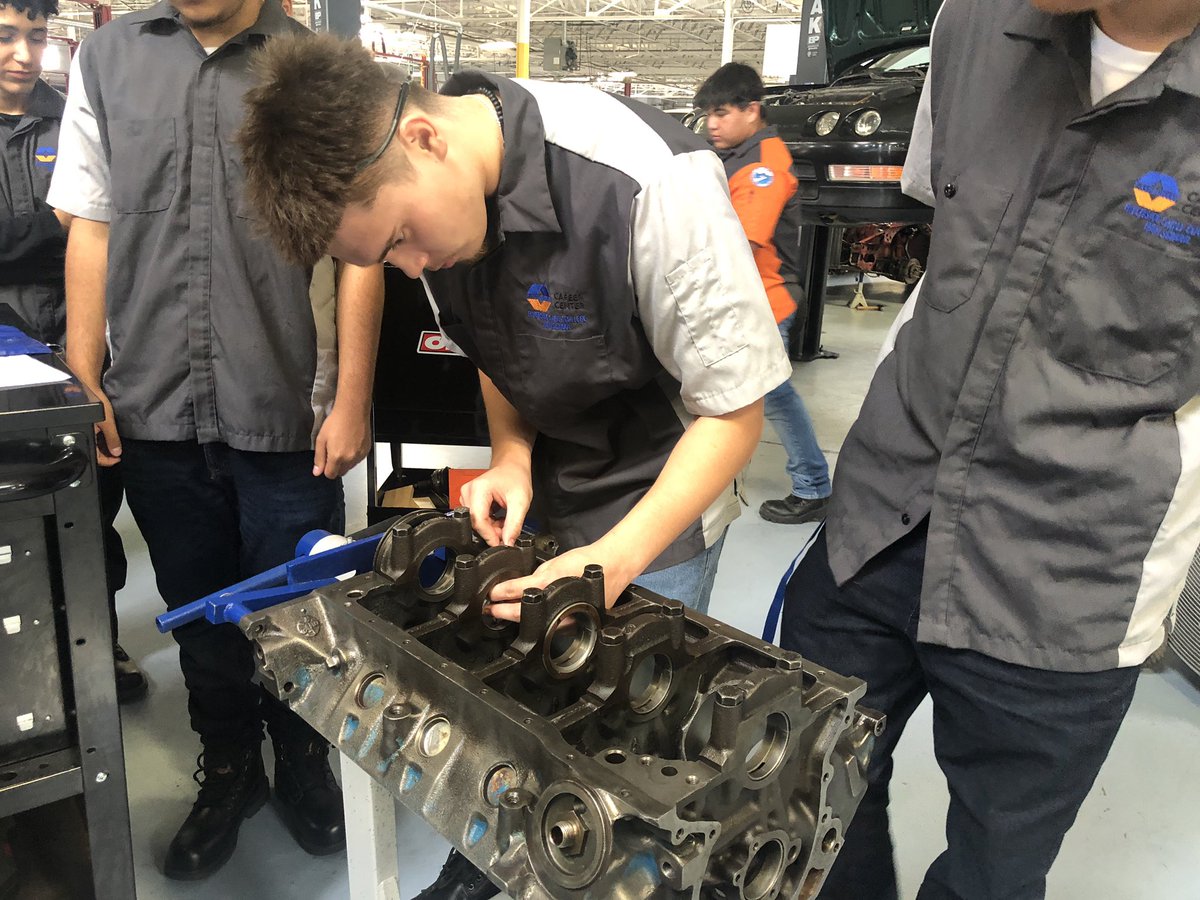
190, 612
286, 582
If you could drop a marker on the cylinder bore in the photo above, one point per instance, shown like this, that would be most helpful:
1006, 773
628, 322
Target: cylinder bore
571, 638
371, 690
770, 749
650, 683
435, 736
764, 872
499, 781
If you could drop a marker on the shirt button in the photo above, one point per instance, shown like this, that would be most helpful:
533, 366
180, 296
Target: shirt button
950, 190
905, 519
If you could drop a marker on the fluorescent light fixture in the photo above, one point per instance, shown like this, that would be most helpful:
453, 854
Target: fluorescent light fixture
496, 46
622, 76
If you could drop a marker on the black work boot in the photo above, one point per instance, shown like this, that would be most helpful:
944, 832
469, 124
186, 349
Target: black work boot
459, 880
131, 682
308, 799
234, 787
793, 510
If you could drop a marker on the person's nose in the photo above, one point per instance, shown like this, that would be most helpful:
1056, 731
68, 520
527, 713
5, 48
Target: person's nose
23, 53
408, 261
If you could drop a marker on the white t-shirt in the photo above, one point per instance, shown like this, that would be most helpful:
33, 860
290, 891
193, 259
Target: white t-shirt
1114, 65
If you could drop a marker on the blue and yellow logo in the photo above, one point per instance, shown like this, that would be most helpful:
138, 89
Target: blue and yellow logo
555, 310
539, 297
1156, 192
44, 157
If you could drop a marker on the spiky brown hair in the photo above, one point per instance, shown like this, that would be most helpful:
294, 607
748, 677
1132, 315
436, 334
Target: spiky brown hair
320, 104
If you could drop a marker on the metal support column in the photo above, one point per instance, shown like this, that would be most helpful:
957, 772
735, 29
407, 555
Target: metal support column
727, 34
370, 835
524, 15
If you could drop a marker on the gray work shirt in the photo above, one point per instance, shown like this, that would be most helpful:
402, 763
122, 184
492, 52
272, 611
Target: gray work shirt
1042, 405
618, 302
212, 335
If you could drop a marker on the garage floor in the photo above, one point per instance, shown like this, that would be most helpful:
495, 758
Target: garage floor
1137, 835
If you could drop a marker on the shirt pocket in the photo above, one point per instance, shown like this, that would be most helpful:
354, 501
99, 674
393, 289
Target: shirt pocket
966, 229
143, 164
710, 316
559, 378
1124, 309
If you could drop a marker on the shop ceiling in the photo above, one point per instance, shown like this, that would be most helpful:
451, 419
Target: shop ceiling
668, 46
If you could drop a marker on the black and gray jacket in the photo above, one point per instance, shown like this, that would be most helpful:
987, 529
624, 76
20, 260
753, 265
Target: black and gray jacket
32, 242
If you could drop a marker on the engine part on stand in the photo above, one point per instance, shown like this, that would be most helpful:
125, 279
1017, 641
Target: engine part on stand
645, 751
897, 251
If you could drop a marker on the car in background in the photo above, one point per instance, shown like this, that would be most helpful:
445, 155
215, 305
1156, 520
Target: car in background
849, 139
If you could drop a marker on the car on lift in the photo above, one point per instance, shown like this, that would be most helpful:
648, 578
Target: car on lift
849, 139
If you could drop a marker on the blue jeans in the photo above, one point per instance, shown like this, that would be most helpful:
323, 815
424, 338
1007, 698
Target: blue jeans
690, 582
784, 409
212, 516
1020, 747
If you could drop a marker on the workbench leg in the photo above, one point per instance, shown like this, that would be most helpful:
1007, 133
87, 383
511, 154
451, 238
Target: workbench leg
370, 835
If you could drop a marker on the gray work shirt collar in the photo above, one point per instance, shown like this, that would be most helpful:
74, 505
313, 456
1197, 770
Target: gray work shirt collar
271, 20
1177, 68
44, 103
523, 196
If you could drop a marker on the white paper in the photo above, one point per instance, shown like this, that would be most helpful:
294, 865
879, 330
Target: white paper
22, 371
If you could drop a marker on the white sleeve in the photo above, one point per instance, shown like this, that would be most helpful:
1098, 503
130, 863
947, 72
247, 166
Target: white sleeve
916, 180
699, 294
80, 184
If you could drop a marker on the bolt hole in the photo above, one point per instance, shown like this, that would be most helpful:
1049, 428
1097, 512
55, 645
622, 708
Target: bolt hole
91, 749
669, 771
68, 524
667, 869
356, 594
288, 687
81, 642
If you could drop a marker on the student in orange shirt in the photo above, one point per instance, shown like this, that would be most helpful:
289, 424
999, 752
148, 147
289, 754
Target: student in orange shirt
762, 186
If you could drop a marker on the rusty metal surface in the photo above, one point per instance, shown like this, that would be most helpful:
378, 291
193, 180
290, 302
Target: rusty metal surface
641, 752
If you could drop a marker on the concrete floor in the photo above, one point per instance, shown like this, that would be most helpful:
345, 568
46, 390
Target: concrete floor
1136, 838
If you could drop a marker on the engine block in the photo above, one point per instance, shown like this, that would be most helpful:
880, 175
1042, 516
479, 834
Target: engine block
645, 751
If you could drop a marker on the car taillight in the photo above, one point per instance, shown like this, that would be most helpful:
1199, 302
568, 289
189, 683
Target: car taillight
865, 173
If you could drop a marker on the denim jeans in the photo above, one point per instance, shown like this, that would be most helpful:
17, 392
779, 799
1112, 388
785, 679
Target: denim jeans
690, 582
212, 516
1020, 747
784, 409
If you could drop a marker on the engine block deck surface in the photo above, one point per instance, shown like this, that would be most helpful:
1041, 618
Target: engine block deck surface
645, 751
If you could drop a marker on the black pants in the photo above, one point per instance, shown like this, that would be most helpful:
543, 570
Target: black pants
1020, 747
112, 491
213, 516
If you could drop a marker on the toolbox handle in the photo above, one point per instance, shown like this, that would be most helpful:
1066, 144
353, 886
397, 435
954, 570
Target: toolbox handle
31, 469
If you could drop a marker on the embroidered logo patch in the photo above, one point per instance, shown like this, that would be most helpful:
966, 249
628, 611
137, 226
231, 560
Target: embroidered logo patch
555, 310
44, 157
762, 177
1155, 193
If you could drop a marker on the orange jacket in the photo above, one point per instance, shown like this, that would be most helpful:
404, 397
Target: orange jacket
760, 184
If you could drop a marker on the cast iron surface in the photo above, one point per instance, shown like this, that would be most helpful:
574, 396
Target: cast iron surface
640, 752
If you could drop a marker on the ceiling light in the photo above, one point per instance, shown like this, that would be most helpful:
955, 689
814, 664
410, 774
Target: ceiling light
622, 76
496, 46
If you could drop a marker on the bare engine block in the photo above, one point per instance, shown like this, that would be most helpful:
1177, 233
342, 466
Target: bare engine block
645, 751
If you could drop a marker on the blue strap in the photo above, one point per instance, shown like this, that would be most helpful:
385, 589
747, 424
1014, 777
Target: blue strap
771, 625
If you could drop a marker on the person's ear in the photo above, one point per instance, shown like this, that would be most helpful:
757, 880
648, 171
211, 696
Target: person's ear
756, 108
421, 136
